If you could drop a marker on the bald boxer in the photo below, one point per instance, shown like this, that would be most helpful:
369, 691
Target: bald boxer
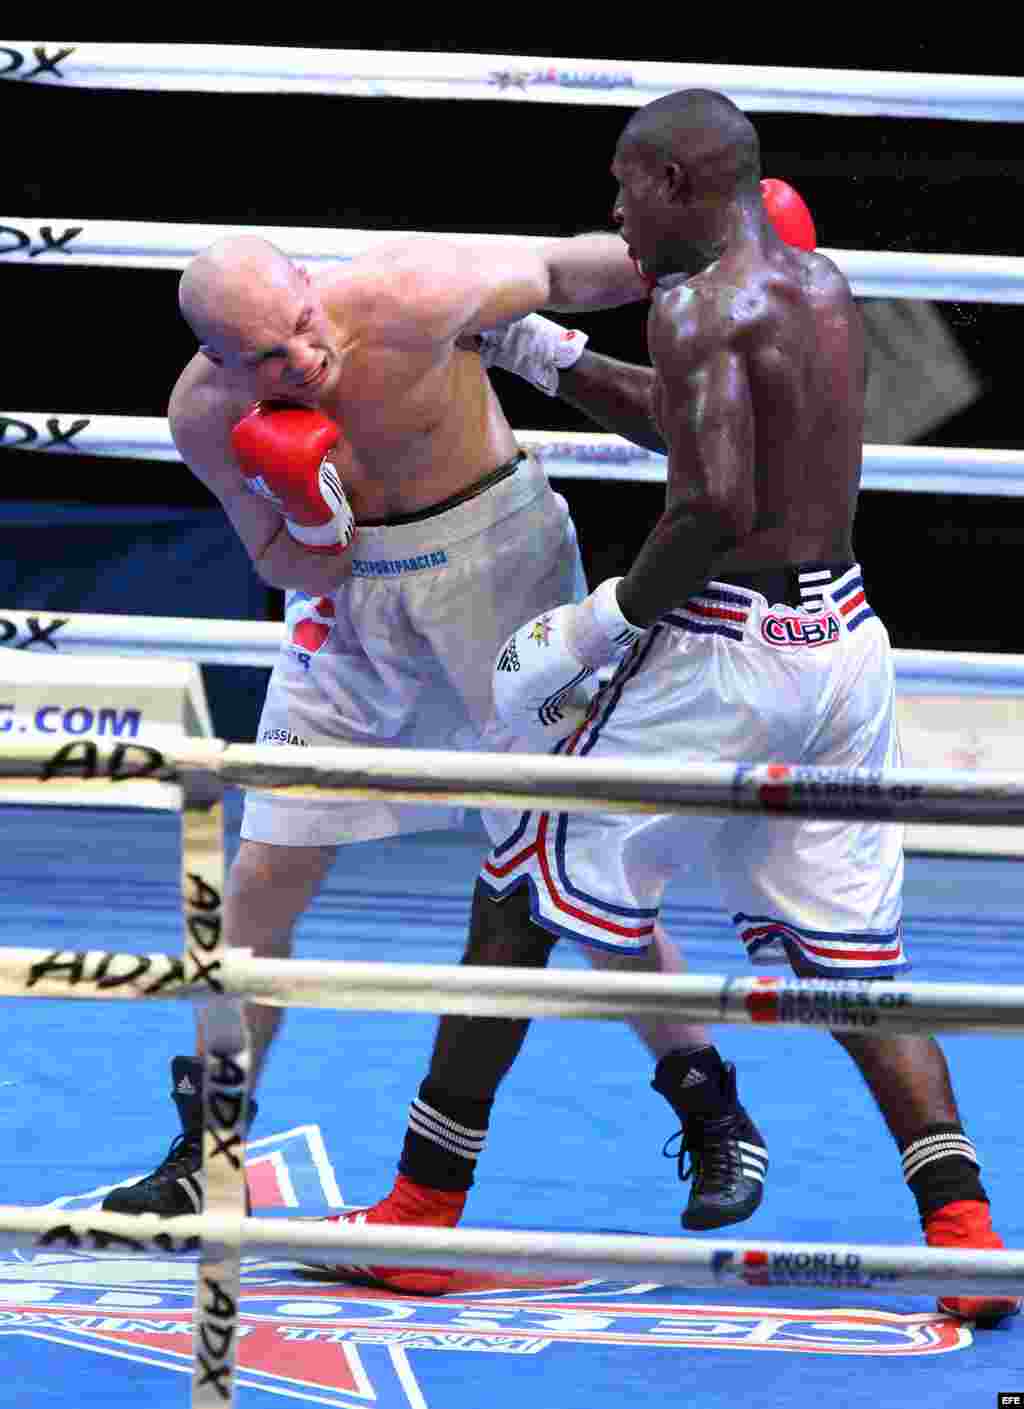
366, 465
741, 632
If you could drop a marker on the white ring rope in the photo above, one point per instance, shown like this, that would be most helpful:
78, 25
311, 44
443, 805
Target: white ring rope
224, 68
201, 769
846, 1005
211, 641
531, 782
692, 1262
924, 469
139, 244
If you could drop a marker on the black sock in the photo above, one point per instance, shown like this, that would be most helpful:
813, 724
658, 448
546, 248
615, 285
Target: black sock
941, 1166
697, 1082
446, 1134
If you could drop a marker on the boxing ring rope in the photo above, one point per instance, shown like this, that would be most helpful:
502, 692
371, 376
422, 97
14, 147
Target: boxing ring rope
214, 975
224, 68
923, 469
211, 641
197, 772
518, 781
688, 1262
842, 1005
218, 976
138, 244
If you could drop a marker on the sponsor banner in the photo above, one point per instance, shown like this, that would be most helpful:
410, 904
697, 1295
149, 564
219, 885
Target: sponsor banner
968, 731
50, 696
822, 1002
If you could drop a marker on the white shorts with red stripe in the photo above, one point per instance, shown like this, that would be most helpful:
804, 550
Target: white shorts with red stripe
731, 677
403, 654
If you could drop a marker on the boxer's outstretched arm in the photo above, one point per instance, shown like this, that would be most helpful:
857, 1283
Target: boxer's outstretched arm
589, 272
431, 291
615, 395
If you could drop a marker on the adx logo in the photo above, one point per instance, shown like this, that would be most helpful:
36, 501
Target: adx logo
31, 631
14, 63
15, 241
16, 434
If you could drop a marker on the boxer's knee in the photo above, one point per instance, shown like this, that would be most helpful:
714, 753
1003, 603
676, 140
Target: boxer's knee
660, 956
504, 932
258, 865
850, 1040
268, 888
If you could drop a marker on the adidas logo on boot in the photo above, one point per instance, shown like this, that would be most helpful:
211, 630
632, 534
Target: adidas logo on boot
176, 1186
728, 1159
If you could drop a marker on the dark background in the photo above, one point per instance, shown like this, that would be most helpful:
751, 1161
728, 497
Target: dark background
940, 569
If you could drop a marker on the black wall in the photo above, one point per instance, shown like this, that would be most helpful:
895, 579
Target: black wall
940, 569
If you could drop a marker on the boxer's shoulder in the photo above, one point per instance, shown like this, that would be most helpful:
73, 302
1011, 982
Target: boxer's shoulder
400, 292
202, 393
689, 315
200, 414
826, 279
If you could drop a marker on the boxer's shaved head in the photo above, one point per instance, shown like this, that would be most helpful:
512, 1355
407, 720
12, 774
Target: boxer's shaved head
227, 283
704, 132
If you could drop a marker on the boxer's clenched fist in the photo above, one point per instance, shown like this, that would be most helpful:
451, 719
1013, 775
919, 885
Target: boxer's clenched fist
541, 670
788, 212
282, 451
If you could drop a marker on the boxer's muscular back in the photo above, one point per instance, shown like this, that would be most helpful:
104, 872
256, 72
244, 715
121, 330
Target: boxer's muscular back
794, 331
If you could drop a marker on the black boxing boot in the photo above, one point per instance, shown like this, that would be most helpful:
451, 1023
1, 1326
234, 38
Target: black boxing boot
176, 1186
728, 1158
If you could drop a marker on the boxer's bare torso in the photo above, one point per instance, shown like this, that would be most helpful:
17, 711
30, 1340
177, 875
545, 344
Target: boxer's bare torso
419, 423
363, 343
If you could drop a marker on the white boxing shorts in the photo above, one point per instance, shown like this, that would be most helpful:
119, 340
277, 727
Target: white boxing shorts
403, 654
731, 677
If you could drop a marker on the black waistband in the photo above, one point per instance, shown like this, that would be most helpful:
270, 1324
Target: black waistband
470, 492
796, 584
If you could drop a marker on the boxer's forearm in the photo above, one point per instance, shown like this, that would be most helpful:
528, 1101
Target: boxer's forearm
289, 566
615, 395
588, 272
678, 557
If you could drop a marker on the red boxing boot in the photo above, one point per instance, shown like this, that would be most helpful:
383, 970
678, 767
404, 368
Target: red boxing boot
966, 1223
408, 1203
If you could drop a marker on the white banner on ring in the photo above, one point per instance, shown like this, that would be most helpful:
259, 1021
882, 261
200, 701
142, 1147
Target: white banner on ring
368, 73
140, 244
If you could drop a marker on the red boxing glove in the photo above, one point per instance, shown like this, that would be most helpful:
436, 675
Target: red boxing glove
282, 452
789, 214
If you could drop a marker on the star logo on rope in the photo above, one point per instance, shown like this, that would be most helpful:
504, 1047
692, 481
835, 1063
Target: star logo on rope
510, 78
540, 631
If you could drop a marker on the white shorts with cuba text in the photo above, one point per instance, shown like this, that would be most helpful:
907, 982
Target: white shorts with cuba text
730, 677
